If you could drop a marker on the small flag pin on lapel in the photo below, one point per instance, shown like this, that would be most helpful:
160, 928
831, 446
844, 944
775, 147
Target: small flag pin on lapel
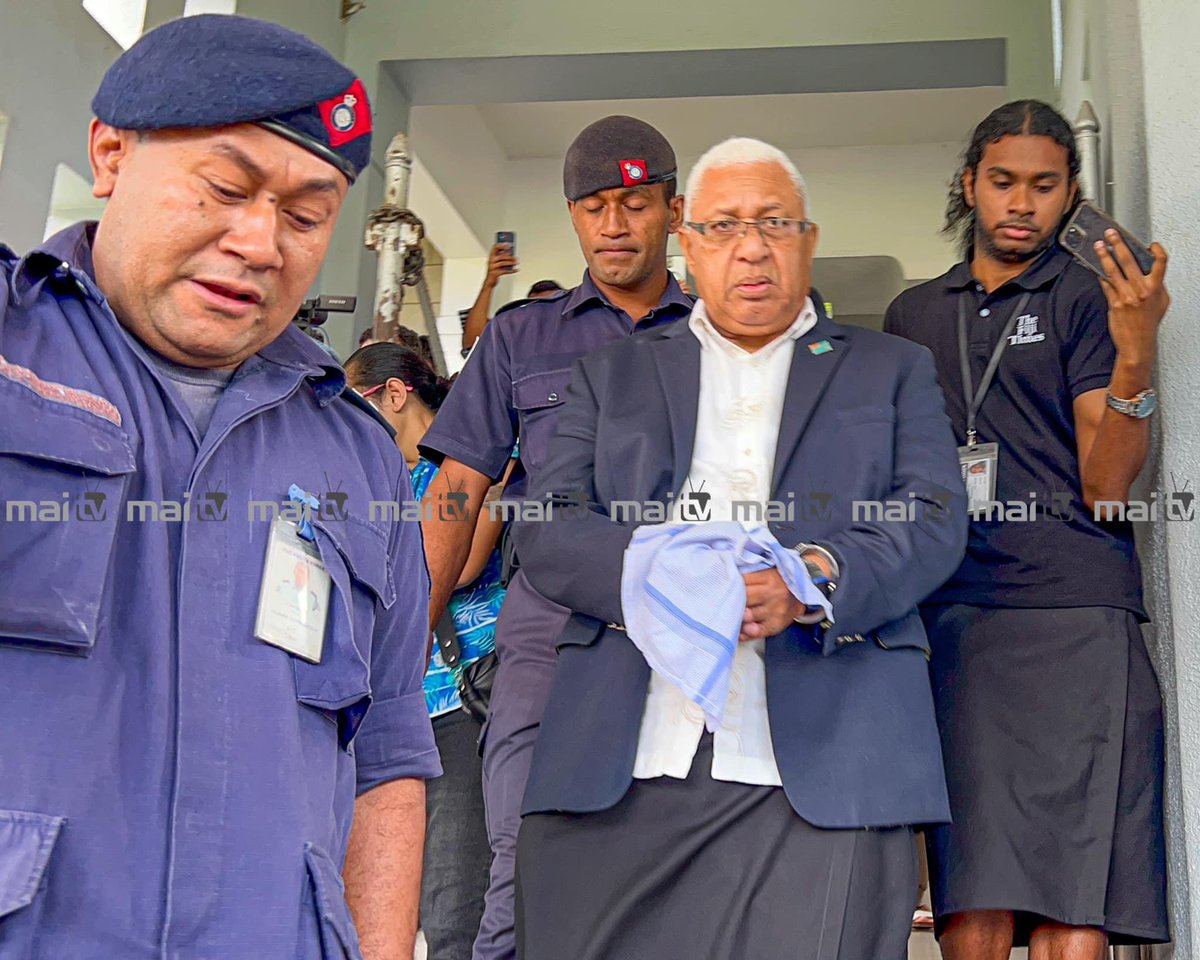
820, 347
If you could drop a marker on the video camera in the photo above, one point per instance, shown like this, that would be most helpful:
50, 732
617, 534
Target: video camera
313, 313
316, 311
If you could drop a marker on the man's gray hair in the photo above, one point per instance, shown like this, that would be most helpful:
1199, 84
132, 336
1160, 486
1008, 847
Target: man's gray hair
735, 151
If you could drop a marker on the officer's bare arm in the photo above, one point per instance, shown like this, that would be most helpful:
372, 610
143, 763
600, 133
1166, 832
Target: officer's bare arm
383, 868
450, 508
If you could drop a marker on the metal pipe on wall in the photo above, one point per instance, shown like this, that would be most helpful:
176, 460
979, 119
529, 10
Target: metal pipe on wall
395, 234
1087, 139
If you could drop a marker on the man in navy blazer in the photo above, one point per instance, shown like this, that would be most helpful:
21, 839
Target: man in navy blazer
645, 835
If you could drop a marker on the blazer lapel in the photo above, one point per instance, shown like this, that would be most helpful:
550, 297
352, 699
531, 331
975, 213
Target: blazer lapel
817, 356
677, 360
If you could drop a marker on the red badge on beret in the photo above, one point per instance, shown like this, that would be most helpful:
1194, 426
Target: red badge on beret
346, 116
633, 172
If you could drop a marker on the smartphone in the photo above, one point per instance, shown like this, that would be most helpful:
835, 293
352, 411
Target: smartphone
507, 237
1087, 225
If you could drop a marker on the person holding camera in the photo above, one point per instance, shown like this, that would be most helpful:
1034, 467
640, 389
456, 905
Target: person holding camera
407, 393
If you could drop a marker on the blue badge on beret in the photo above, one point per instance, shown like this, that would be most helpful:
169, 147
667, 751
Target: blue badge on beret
215, 70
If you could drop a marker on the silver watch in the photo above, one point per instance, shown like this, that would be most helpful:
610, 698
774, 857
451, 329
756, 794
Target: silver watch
1139, 406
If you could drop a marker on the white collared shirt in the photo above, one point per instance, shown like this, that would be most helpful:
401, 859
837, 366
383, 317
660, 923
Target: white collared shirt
737, 428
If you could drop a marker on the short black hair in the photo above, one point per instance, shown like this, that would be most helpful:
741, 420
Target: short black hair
544, 286
1020, 118
368, 334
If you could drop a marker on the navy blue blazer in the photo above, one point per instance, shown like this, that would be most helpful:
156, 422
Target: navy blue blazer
850, 708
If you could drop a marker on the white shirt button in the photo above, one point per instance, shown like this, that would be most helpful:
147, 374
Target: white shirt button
985, 312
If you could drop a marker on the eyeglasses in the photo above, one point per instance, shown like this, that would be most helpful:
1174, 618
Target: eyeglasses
379, 386
769, 228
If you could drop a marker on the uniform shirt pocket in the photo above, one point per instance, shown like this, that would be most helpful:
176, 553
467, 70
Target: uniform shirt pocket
26, 842
325, 896
63, 476
537, 397
356, 556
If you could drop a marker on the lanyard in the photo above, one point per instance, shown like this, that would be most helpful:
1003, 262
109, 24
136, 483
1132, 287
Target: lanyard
974, 403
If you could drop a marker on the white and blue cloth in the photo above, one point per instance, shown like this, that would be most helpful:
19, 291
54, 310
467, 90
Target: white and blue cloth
683, 598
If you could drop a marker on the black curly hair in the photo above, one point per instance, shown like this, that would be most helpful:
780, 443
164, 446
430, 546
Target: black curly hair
1021, 118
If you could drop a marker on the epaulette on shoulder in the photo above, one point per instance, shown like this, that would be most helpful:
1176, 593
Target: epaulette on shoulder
369, 409
525, 301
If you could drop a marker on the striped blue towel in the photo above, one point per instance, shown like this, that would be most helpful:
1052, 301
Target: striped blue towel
683, 597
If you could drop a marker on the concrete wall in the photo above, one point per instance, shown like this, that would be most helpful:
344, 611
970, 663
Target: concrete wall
1105, 62
48, 114
460, 153
1171, 76
429, 29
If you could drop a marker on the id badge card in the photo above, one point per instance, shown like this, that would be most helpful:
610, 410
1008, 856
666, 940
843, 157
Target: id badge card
293, 601
978, 465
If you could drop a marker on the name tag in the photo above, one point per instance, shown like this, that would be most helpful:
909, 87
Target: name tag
978, 465
293, 601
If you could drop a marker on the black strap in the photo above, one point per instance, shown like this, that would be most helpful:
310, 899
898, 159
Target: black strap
964, 360
447, 640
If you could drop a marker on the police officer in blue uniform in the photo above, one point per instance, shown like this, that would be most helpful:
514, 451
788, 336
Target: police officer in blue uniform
209, 645
619, 182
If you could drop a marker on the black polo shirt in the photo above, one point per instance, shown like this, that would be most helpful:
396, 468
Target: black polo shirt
1060, 348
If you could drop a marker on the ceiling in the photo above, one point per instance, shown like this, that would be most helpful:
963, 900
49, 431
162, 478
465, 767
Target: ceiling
789, 121
914, 65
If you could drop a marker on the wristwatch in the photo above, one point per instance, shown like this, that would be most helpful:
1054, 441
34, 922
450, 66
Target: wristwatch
1139, 407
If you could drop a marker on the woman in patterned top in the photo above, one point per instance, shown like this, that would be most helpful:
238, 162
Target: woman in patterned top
407, 392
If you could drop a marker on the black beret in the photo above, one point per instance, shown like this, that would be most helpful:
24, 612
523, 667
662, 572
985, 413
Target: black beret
215, 70
616, 152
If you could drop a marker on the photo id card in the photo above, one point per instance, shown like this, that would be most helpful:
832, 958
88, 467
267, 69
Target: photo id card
293, 601
978, 464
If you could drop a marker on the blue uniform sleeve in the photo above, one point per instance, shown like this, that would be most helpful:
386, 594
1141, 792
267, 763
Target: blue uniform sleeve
396, 738
477, 423
1091, 353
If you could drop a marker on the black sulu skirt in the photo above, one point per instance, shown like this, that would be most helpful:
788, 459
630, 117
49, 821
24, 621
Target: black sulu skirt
700, 869
1051, 726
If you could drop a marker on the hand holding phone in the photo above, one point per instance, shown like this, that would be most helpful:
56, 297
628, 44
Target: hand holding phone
1089, 224
503, 260
509, 239
1132, 278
